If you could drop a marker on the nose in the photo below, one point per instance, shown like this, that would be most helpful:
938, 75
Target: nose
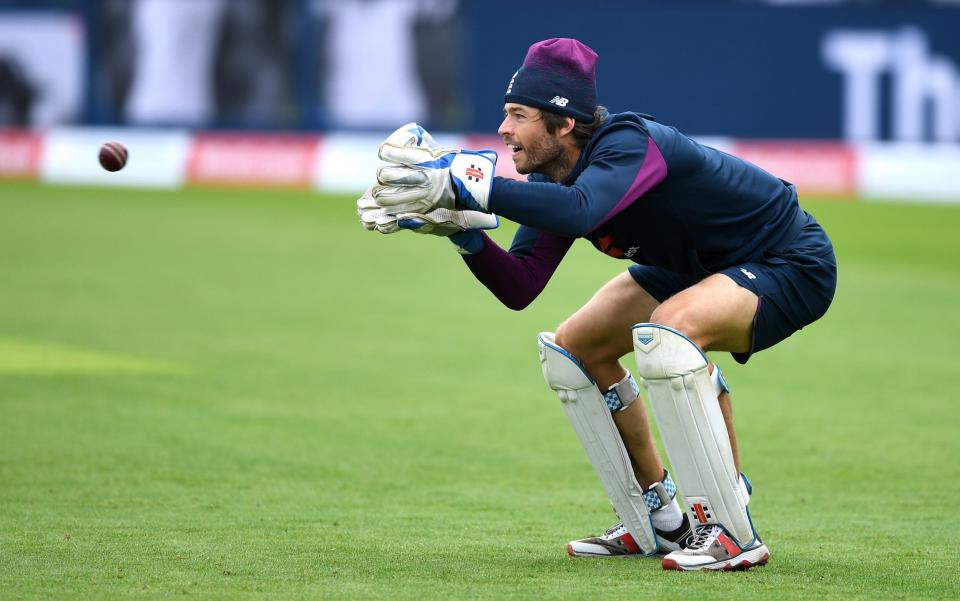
504, 128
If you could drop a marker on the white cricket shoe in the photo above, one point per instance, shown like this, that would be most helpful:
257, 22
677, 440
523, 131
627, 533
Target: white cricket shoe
618, 542
711, 548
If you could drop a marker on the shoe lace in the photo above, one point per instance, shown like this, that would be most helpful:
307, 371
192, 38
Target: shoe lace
704, 536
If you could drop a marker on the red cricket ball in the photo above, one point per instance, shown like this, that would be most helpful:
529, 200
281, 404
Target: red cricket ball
113, 156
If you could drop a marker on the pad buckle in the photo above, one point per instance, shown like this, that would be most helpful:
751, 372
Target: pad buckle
659, 494
622, 394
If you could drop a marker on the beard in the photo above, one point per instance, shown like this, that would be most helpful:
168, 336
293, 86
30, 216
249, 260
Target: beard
542, 155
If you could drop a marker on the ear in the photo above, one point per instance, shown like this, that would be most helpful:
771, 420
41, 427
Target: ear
568, 125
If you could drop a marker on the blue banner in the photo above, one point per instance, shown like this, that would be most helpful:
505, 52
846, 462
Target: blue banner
742, 70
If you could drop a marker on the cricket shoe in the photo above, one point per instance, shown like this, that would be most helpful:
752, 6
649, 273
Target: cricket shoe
711, 548
618, 542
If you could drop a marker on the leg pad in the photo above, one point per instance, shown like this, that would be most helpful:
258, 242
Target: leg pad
684, 401
589, 415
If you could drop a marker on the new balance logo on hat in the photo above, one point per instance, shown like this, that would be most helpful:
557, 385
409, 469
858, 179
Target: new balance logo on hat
512, 79
559, 101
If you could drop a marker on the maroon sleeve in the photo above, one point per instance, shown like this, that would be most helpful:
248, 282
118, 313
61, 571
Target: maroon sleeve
518, 276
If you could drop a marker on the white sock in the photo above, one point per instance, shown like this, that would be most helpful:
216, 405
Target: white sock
667, 518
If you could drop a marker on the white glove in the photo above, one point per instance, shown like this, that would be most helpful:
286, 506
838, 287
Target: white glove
424, 176
444, 222
371, 213
439, 222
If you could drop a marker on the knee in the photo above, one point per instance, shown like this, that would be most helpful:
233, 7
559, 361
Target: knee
574, 339
568, 338
578, 342
681, 320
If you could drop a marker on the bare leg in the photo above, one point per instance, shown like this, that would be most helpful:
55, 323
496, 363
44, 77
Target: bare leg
638, 438
598, 335
726, 406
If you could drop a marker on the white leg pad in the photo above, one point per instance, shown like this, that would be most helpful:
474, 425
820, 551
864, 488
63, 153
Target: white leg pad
590, 417
684, 402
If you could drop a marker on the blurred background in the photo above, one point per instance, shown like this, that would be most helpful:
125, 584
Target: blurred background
214, 382
858, 75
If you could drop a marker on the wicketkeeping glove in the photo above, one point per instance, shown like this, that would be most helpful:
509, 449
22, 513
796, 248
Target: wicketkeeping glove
439, 222
424, 176
444, 222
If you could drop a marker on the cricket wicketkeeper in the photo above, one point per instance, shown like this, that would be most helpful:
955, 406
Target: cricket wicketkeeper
723, 259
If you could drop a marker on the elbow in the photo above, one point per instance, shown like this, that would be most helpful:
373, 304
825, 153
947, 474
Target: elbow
516, 299
516, 304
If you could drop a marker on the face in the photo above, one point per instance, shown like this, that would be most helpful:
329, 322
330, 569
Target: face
523, 131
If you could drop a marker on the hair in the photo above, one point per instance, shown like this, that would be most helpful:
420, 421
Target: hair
582, 131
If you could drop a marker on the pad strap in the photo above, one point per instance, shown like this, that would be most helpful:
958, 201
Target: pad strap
622, 394
660, 494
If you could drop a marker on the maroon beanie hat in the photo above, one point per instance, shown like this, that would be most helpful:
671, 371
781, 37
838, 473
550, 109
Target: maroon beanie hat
557, 75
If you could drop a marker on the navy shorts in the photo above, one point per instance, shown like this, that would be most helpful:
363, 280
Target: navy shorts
795, 286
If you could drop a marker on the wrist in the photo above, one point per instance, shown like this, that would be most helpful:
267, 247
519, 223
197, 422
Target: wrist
471, 178
462, 199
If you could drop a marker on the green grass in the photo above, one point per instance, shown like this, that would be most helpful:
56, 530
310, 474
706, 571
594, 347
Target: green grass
243, 395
